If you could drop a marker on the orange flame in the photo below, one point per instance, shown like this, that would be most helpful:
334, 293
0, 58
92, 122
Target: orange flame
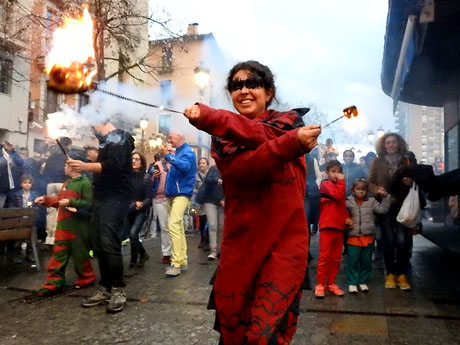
70, 62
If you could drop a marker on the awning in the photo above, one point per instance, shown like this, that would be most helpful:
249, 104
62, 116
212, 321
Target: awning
430, 66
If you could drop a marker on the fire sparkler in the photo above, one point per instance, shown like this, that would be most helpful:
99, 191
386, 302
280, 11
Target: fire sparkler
348, 112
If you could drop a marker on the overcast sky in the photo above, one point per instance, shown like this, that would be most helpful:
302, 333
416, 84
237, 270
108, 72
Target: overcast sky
325, 52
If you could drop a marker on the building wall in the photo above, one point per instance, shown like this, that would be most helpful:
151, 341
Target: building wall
187, 54
14, 104
423, 129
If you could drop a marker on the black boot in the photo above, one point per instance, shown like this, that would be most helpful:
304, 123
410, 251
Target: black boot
202, 242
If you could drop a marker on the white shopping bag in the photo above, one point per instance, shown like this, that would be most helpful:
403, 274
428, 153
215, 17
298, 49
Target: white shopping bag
409, 214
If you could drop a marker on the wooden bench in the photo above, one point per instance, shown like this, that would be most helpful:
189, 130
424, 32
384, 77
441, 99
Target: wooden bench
19, 224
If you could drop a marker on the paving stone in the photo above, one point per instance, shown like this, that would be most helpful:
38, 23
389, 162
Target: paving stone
169, 311
361, 324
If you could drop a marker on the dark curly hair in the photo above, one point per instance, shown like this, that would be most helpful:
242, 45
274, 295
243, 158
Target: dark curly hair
259, 70
380, 145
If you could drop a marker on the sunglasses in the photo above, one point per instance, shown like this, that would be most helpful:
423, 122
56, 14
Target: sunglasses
250, 84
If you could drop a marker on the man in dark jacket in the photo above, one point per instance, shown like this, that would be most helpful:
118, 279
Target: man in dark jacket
112, 194
178, 189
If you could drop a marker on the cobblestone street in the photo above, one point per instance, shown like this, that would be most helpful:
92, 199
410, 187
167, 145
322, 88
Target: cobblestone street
173, 311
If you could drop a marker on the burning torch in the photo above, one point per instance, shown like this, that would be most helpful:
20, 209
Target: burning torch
348, 112
71, 63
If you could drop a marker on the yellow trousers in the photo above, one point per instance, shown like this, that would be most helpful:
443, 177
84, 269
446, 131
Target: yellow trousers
176, 209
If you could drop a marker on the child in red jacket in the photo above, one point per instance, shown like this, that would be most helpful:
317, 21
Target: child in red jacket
332, 218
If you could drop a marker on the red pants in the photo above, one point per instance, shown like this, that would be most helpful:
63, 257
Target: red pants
330, 253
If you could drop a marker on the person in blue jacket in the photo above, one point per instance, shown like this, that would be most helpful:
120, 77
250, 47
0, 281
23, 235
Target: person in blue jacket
178, 190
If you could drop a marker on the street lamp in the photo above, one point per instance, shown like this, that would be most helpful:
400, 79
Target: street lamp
371, 136
144, 123
380, 132
201, 77
202, 81
155, 142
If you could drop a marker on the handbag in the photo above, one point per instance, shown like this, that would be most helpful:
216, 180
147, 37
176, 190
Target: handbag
409, 214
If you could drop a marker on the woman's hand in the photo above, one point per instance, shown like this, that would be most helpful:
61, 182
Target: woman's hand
308, 137
192, 112
139, 205
349, 222
40, 200
76, 165
382, 192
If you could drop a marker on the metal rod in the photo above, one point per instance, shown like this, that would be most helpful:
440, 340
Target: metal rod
62, 149
136, 101
330, 123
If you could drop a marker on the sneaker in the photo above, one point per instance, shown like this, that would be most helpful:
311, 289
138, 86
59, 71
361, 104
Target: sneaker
102, 296
131, 271
166, 259
172, 271
183, 267
353, 289
402, 282
390, 282
125, 242
319, 291
142, 260
117, 300
334, 289
212, 256
364, 287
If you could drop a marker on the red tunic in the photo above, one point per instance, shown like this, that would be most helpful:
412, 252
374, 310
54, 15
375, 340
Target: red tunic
257, 286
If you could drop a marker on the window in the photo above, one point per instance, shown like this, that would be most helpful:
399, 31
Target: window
51, 23
6, 72
166, 92
164, 124
83, 100
166, 60
51, 105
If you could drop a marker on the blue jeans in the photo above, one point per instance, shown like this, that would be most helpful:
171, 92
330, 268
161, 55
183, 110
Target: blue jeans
134, 224
396, 243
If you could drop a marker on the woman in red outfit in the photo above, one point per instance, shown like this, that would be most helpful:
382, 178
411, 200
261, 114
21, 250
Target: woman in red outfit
260, 154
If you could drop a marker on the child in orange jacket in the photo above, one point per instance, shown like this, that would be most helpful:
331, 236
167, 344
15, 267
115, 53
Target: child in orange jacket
332, 219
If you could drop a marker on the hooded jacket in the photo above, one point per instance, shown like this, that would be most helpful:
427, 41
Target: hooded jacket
364, 216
